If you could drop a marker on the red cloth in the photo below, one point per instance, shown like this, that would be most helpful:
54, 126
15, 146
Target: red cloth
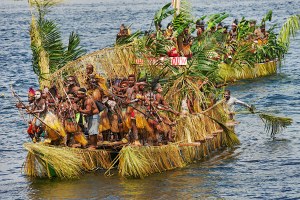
173, 52
132, 114
30, 130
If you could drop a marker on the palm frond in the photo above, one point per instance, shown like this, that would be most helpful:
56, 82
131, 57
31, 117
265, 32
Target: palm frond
216, 19
289, 28
73, 51
183, 19
229, 137
275, 124
161, 14
128, 39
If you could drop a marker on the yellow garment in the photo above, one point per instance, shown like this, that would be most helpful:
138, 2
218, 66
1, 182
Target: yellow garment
139, 120
54, 128
80, 138
104, 122
102, 83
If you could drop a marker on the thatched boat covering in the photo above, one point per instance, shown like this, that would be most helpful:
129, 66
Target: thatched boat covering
62, 162
110, 62
260, 69
119, 61
139, 162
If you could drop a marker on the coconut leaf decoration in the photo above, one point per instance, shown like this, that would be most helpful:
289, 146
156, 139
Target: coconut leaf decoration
275, 124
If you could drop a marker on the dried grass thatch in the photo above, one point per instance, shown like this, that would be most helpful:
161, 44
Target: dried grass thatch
63, 162
139, 162
109, 62
93, 159
48, 161
260, 69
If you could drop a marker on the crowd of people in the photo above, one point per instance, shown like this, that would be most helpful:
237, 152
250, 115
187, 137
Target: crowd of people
254, 34
128, 109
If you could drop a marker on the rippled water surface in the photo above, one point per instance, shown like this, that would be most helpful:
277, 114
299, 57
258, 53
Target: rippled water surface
259, 168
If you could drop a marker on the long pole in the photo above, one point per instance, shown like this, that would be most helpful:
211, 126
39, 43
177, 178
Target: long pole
19, 99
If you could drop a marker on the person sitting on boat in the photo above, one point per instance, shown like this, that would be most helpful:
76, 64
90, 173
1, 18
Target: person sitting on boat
234, 32
124, 32
231, 101
185, 41
39, 110
200, 27
89, 109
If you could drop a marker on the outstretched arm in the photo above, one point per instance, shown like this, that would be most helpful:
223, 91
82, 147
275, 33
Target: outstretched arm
242, 103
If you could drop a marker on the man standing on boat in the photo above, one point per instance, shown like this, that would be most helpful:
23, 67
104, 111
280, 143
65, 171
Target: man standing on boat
89, 109
39, 109
231, 101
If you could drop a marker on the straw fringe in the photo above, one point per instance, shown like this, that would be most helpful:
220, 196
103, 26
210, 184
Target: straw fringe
229, 73
49, 161
63, 162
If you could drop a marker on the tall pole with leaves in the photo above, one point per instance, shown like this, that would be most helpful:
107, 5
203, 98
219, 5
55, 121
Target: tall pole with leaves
49, 53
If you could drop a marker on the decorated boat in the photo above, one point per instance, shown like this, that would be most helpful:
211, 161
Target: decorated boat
191, 70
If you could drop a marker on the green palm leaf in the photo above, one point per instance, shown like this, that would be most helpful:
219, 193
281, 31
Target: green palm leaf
290, 28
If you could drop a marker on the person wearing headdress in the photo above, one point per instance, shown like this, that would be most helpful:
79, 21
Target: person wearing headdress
39, 109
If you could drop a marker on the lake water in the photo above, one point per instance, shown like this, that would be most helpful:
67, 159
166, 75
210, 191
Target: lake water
259, 168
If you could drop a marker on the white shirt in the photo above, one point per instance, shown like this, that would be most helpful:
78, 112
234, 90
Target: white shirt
232, 101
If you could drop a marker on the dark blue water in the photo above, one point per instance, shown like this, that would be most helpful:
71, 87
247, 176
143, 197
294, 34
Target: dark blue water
260, 168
